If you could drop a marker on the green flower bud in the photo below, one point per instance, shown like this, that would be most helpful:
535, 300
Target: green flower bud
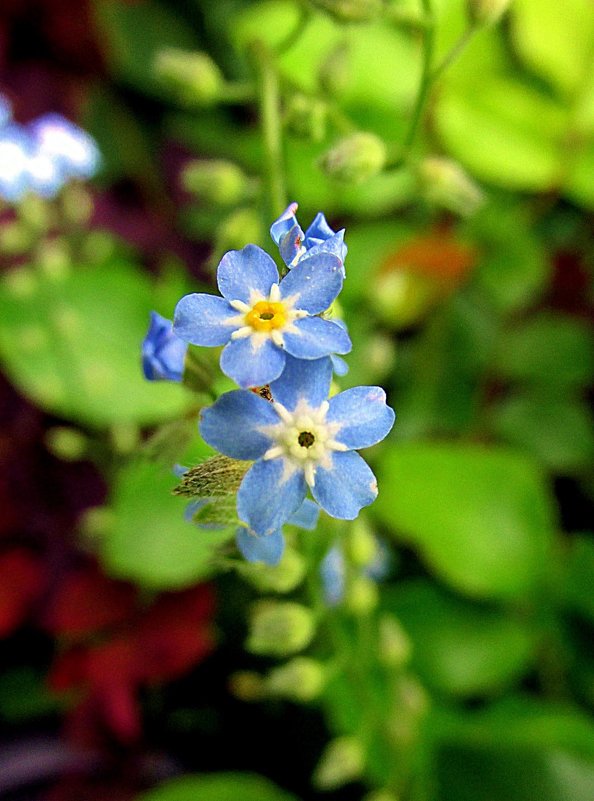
381, 795
36, 212
68, 444
401, 297
306, 116
193, 77
334, 75
216, 477
486, 12
15, 239
287, 575
279, 629
342, 761
53, 258
350, 10
237, 230
395, 646
77, 204
355, 159
362, 596
301, 679
360, 543
220, 182
247, 685
445, 183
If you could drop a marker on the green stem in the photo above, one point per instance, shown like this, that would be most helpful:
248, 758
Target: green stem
270, 119
453, 53
426, 79
293, 36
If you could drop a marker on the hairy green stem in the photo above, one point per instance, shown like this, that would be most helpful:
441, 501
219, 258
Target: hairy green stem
453, 54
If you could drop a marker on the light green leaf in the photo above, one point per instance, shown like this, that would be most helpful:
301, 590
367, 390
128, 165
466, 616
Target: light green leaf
72, 345
503, 131
218, 787
480, 517
149, 541
556, 40
459, 647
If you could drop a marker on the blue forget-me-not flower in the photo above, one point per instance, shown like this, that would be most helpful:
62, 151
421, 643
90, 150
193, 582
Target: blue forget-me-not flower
260, 319
163, 353
301, 440
295, 246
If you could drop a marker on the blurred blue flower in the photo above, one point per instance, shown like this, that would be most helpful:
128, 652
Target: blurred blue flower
295, 246
260, 320
14, 163
269, 548
163, 353
299, 440
333, 571
5, 111
72, 150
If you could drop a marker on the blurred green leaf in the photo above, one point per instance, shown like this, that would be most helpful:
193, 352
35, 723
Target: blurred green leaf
133, 34
149, 541
548, 349
557, 431
459, 647
72, 344
218, 787
480, 517
556, 40
578, 584
24, 695
503, 131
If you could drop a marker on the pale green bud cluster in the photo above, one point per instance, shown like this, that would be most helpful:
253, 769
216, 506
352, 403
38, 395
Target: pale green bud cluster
220, 182
445, 183
355, 159
282, 578
279, 628
193, 77
334, 74
343, 761
306, 116
301, 679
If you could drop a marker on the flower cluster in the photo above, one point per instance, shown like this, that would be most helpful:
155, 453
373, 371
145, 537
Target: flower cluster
42, 156
276, 336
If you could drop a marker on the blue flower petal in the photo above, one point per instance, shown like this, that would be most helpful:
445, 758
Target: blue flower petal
332, 570
249, 366
346, 487
339, 366
203, 320
318, 231
241, 271
268, 549
316, 338
284, 223
231, 425
291, 245
315, 281
163, 353
303, 379
306, 516
334, 245
365, 417
269, 494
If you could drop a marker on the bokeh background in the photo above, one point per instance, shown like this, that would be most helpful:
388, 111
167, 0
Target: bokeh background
468, 297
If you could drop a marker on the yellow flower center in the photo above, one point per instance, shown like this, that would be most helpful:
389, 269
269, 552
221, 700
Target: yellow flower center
266, 315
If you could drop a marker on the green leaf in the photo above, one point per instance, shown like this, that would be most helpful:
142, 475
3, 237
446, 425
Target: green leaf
149, 541
459, 647
555, 39
134, 33
218, 787
503, 131
24, 695
480, 517
72, 345
549, 350
557, 431
579, 577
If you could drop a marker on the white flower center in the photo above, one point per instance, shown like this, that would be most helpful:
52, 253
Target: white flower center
265, 317
304, 438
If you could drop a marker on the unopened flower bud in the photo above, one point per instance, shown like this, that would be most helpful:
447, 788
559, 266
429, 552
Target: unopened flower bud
193, 77
305, 117
283, 578
216, 477
446, 184
301, 679
381, 795
15, 239
350, 10
53, 258
402, 297
36, 212
362, 595
486, 12
334, 75
247, 685
342, 762
77, 204
360, 543
355, 159
68, 444
279, 629
220, 182
394, 644
237, 230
